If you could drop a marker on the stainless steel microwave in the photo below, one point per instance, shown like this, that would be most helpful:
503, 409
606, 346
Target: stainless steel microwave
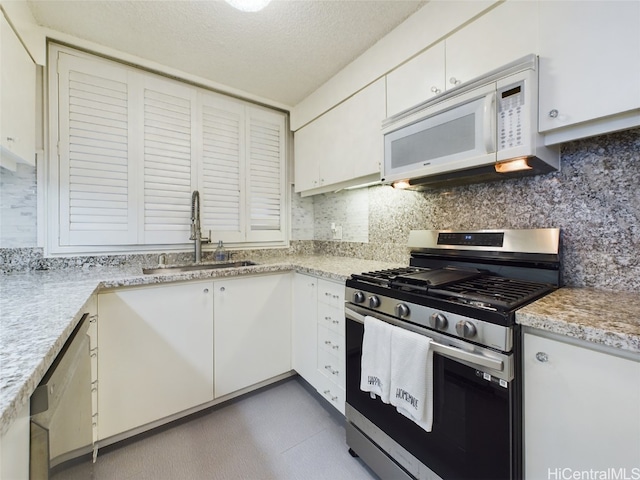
484, 130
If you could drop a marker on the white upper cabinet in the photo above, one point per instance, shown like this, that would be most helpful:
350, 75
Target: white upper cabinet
504, 34
17, 100
417, 80
344, 145
589, 63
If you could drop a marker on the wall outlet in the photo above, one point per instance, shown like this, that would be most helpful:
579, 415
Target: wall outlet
337, 232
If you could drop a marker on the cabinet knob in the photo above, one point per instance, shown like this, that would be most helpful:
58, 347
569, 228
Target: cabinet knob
206, 290
222, 289
435, 89
542, 357
454, 81
553, 113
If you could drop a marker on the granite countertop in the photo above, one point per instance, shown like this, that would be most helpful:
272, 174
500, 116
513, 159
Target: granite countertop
598, 316
40, 309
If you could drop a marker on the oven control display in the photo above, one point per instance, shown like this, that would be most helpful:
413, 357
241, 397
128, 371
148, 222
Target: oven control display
472, 239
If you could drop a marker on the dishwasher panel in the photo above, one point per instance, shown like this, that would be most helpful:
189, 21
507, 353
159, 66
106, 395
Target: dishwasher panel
61, 407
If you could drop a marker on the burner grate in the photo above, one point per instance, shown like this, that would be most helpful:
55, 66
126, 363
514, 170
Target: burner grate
497, 292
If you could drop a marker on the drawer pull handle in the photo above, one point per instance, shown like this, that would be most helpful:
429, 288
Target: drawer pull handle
333, 372
336, 322
335, 347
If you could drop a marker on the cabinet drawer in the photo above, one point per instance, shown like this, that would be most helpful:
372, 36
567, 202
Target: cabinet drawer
332, 367
330, 341
333, 393
330, 293
331, 317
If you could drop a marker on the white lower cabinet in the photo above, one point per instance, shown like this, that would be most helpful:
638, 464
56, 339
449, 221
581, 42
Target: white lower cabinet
155, 353
252, 318
304, 328
319, 342
581, 411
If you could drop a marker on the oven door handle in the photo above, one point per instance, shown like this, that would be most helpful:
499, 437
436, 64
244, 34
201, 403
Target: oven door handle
446, 350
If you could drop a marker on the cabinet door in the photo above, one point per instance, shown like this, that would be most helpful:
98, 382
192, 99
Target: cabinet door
252, 318
581, 409
589, 60
304, 330
17, 100
155, 353
504, 34
344, 144
417, 80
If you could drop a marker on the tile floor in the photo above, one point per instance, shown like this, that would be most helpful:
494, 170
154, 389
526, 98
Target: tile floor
282, 432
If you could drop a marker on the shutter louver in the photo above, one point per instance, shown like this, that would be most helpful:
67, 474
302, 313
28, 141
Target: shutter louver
95, 171
167, 165
222, 176
265, 165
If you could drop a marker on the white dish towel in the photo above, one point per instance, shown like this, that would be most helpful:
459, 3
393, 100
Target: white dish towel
376, 358
412, 376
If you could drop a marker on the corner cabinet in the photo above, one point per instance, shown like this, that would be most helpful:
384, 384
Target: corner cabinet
344, 146
318, 336
589, 66
581, 409
17, 101
252, 318
155, 353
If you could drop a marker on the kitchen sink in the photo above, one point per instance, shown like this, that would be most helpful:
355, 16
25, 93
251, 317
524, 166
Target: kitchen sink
197, 266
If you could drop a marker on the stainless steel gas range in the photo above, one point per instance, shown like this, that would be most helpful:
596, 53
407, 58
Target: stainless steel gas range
461, 290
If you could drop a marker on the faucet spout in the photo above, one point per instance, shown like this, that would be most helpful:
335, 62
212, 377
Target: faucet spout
196, 233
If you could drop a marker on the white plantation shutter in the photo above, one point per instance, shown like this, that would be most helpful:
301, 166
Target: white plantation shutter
222, 168
266, 175
95, 173
131, 148
168, 153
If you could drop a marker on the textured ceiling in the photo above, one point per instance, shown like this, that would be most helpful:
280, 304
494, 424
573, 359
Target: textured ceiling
282, 53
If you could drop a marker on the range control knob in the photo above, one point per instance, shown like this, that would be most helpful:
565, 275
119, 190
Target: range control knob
439, 321
402, 310
358, 297
374, 301
466, 329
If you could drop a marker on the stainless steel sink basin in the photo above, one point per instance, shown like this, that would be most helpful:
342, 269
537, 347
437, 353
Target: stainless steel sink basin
189, 268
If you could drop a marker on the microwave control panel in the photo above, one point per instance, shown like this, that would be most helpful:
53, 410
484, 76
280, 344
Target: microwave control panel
511, 111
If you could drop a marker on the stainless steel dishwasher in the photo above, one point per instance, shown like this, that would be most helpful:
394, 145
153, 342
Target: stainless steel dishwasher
61, 407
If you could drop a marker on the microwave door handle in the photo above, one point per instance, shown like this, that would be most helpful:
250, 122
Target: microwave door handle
489, 122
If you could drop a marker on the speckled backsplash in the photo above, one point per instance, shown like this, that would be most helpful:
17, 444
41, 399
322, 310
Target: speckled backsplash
594, 200
20, 259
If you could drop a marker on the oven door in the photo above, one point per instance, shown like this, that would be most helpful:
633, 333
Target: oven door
476, 419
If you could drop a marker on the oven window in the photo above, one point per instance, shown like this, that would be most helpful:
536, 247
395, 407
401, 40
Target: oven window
471, 433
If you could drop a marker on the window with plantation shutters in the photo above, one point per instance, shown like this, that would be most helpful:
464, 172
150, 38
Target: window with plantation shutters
96, 175
129, 147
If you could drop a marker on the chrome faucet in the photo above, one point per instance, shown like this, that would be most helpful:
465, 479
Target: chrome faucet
196, 233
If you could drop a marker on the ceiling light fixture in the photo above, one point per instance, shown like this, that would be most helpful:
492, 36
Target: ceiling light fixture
248, 5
